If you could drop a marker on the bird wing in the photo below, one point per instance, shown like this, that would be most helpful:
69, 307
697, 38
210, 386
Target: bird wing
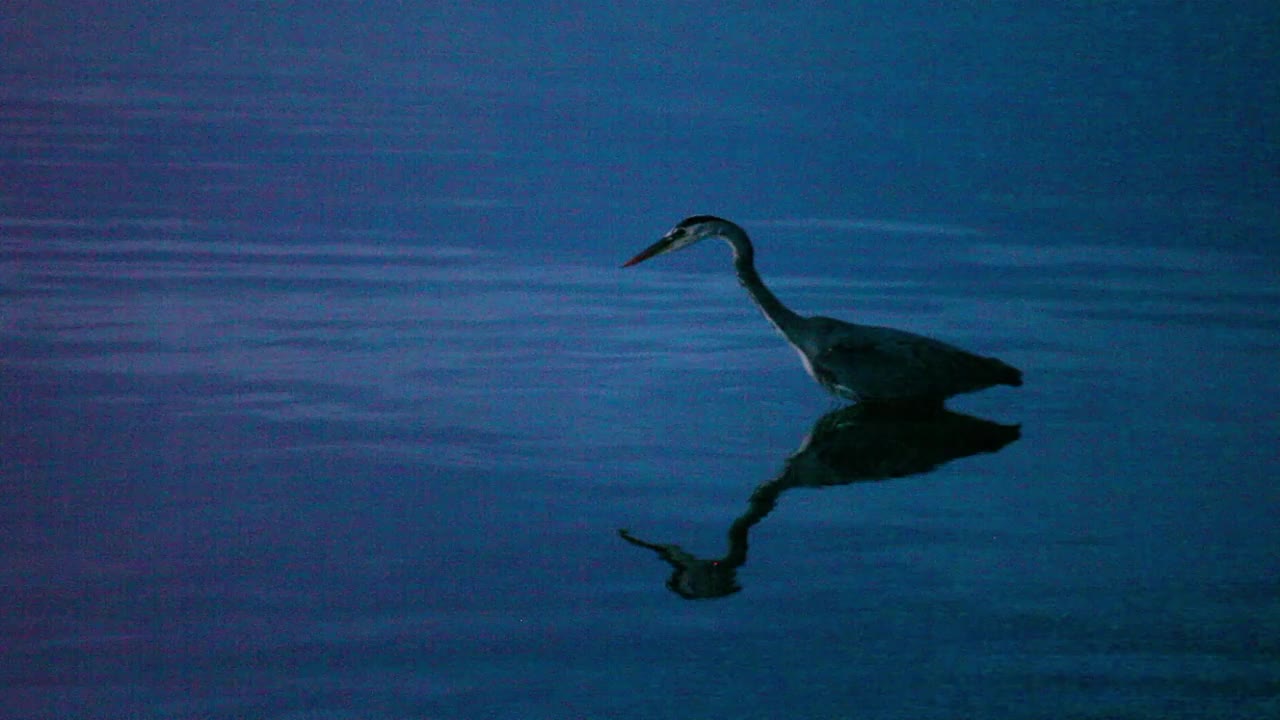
887, 364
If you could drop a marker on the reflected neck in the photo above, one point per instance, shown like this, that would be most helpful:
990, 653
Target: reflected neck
779, 315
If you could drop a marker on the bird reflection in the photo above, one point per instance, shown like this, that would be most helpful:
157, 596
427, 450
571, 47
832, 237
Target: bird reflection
853, 444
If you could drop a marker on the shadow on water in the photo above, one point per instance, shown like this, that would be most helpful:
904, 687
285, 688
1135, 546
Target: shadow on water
849, 445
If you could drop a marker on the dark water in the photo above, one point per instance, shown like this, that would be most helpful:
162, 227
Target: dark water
325, 397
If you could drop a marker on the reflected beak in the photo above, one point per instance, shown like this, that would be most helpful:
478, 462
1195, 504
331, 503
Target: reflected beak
657, 248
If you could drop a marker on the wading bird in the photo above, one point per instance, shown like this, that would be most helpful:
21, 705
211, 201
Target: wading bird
859, 363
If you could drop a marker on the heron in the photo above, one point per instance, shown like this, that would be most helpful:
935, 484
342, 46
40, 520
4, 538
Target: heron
857, 363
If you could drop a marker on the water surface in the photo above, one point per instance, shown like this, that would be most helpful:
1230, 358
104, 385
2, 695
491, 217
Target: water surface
325, 397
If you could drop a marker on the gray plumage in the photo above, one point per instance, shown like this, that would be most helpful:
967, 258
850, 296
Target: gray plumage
860, 363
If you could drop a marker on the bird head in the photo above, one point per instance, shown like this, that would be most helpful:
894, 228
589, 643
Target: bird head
685, 233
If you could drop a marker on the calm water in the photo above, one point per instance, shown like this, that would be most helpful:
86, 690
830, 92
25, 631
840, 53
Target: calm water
325, 396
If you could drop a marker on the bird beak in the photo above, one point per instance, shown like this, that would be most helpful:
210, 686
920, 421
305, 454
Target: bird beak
657, 248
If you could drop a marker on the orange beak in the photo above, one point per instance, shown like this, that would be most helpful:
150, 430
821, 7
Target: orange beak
655, 249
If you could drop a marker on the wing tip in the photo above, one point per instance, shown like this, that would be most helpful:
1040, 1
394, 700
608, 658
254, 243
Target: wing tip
1012, 377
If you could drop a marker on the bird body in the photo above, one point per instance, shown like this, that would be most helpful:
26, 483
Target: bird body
859, 363
880, 364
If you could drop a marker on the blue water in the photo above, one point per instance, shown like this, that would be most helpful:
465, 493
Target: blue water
325, 396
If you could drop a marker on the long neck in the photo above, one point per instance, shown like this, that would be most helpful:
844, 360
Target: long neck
779, 315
